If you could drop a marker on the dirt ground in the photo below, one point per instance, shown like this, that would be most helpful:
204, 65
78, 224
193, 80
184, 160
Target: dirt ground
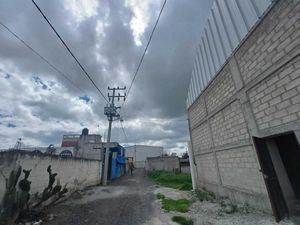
131, 200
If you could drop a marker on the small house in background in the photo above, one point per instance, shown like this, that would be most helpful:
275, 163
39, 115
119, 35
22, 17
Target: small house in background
184, 165
140, 153
85, 145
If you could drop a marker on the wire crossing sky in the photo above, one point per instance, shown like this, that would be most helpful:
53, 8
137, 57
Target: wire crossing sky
144, 53
64, 43
116, 42
42, 57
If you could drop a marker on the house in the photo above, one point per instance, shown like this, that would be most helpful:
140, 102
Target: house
85, 145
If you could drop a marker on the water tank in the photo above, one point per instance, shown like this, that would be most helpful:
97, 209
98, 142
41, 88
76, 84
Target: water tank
85, 131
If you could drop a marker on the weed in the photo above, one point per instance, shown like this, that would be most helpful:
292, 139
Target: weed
180, 205
227, 206
204, 195
160, 196
181, 181
182, 220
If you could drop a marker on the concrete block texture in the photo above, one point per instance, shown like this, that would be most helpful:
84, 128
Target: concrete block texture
206, 168
254, 94
239, 169
229, 125
78, 173
197, 111
202, 139
220, 90
281, 106
275, 37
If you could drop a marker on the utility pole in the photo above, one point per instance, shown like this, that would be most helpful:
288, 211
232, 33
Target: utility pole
111, 112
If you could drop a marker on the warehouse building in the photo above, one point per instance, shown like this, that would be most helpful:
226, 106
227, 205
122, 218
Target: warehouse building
244, 104
140, 153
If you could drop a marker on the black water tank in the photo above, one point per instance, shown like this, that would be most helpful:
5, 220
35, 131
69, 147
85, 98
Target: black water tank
85, 131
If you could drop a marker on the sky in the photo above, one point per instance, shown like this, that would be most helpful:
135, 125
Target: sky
108, 37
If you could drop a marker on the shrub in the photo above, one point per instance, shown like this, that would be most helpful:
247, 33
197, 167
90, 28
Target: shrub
182, 220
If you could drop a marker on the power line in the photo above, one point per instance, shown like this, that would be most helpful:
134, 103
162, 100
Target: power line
124, 132
64, 43
145, 50
40, 56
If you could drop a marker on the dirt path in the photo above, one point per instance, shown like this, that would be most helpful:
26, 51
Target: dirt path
129, 200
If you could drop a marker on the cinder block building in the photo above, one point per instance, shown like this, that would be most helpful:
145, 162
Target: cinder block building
244, 104
140, 153
85, 145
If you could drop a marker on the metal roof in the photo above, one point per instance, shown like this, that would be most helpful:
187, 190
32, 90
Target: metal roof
228, 23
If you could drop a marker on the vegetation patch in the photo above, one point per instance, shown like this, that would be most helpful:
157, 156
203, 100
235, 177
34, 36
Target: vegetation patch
204, 195
182, 220
160, 196
229, 207
180, 205
180, 181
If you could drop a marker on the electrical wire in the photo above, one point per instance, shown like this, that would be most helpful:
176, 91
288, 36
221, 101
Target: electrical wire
71, 53
124, 132
40, 56
145, 50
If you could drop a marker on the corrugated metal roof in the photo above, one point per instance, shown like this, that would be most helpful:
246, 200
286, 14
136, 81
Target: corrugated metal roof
228, 23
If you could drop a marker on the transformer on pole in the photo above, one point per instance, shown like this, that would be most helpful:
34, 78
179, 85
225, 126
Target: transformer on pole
111, 111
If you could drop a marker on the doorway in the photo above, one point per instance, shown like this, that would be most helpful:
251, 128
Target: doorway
279, 158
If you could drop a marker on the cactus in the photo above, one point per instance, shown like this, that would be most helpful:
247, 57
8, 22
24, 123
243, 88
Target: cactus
57, 188
14, 201
24, 186
50, 191
16, 198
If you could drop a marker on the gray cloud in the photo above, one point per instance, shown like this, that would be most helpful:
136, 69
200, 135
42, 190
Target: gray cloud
111, 57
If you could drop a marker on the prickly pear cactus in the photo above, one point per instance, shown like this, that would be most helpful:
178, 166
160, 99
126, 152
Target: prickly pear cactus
10, 202
24, 186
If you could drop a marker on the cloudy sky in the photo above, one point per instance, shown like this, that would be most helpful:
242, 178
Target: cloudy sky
108, 37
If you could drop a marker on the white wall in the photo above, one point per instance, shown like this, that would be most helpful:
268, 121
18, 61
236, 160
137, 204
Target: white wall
140, 153
78, 173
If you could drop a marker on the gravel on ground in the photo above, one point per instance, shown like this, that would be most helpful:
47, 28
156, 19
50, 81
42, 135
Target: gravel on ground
129, 200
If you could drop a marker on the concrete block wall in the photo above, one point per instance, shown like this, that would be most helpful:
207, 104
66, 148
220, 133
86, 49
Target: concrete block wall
201, 137
168, 163
238, 169
276, 36
276, 100
197, 111
229, 126
78, 173
256, 93
207, 169
221, 89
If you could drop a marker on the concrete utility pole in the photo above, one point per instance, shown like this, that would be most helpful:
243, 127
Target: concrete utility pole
111, 112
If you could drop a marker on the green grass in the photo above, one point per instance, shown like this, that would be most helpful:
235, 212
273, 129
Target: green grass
180, 205
182, 220
181, 181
